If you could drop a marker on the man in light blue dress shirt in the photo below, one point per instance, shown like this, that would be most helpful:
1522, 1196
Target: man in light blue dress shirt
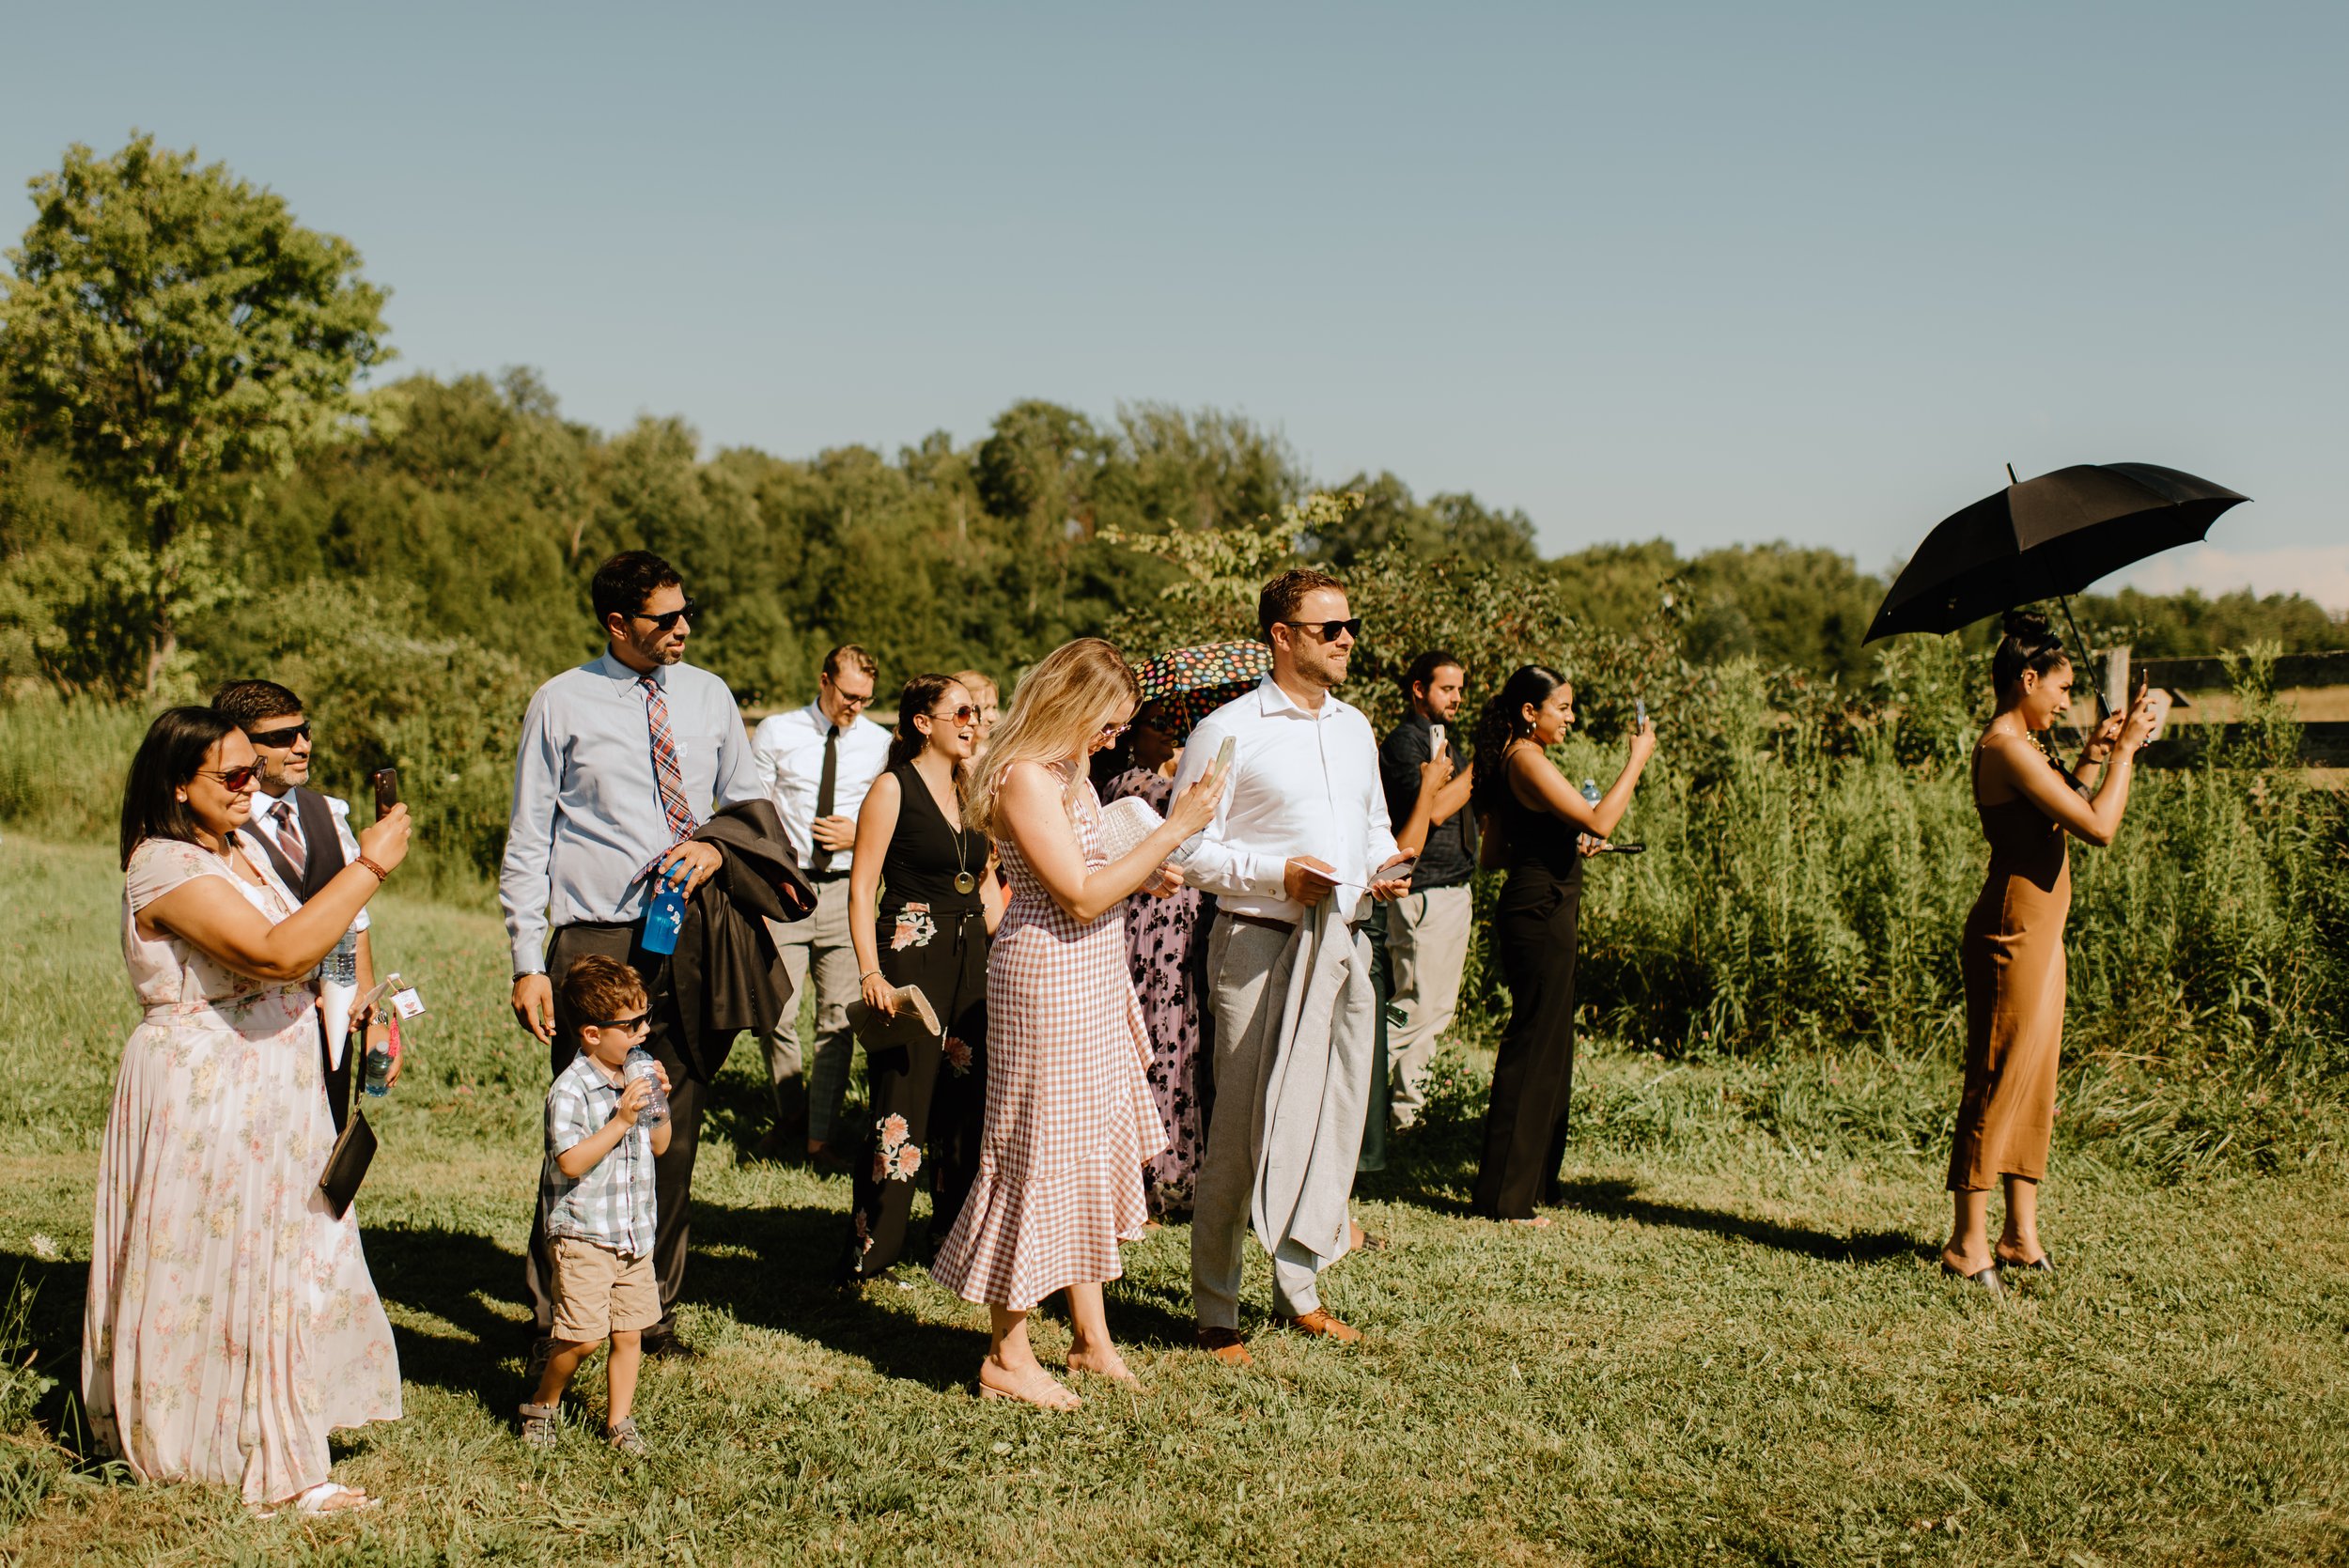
593, 831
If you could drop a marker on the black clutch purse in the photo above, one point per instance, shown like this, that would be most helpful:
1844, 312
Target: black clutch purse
347, 1167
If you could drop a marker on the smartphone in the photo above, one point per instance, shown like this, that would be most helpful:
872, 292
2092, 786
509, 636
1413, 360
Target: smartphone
386, 791
1435, 741
1639, 706
1402, 867
1223, 757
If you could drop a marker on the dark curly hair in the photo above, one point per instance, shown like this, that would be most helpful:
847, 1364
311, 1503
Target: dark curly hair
1502, 722
623, 584
2030, 644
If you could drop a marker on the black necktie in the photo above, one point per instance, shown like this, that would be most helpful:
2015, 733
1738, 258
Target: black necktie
824, 788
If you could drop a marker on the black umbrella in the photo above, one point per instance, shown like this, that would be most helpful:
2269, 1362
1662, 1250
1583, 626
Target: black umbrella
2047, 537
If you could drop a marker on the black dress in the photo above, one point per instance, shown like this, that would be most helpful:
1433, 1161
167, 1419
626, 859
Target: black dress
1533, 936
928, 1101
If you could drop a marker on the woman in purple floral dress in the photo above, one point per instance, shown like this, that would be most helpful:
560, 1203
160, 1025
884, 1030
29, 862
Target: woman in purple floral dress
1159, 936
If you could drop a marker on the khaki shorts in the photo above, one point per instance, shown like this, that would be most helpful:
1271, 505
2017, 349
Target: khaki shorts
599, 1293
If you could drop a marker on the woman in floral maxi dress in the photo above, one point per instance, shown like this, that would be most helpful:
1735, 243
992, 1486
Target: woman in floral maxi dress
1161, 933
231, 1322
1068, 1121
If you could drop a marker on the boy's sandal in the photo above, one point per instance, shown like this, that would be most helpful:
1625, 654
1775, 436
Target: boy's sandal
541, 1425
622, 1434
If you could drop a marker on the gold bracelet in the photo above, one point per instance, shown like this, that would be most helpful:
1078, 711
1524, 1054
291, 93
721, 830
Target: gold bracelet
381, 875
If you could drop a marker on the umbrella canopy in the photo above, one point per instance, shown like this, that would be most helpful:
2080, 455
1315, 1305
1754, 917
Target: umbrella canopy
1191, 683
2046, 538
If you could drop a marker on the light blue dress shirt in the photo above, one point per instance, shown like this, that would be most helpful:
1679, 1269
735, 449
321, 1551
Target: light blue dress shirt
587, 816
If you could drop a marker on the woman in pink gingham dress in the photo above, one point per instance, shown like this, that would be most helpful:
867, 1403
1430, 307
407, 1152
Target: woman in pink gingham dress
1070, 1118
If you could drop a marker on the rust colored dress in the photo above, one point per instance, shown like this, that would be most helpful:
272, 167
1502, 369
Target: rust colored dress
2012, 959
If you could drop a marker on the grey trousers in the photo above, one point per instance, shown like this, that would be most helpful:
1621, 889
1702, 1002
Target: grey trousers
1242, 964
1427, 944
819, 942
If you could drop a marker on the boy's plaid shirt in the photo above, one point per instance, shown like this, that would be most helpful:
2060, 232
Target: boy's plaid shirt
613, 1205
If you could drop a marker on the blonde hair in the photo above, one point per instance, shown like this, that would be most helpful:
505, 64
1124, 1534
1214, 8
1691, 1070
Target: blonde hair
1056, 707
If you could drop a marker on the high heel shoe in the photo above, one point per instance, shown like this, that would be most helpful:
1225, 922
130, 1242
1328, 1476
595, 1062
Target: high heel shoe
2041, 1264
1987, 1279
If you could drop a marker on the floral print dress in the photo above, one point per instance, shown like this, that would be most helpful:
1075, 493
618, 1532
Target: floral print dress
1159, 933
232, 1322
927, 1099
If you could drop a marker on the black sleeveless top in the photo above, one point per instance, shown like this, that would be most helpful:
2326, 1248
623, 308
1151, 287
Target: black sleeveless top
927, 853
1537, 840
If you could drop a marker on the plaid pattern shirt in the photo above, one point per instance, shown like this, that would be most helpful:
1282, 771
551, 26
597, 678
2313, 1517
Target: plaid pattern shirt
613, 1205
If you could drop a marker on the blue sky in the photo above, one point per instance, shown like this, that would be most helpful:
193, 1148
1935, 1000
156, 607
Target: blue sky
1717, 272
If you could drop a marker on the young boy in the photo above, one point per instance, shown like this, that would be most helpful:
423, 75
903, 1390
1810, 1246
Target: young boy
596, 1189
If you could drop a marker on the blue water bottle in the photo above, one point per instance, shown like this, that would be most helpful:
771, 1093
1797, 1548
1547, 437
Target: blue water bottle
1590, 791
665, 917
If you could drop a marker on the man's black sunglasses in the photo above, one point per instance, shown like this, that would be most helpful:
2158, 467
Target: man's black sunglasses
275, 739
668, 618
637, 1022
1329, 629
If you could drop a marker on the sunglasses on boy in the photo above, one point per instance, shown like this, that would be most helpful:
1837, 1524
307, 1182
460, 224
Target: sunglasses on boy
640, 1021
667, 618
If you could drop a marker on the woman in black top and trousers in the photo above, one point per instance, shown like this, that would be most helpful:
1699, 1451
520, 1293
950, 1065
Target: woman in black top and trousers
920, 902
1535, 824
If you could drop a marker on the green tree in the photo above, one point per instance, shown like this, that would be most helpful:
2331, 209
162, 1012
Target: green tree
1442, 527
174, 328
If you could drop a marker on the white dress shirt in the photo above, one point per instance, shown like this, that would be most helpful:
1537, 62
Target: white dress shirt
264, 821
588, 819
1304, 782
789, 753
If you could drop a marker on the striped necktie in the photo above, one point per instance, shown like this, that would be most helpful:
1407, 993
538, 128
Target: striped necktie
664, 767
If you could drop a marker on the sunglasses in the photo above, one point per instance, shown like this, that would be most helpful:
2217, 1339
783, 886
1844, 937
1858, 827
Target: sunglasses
1329, 630
1111, 731
236, 781
667, 618
966, 714
276, 740
631, 1025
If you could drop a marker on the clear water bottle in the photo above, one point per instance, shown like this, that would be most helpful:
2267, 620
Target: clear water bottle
376, 1069
640, 1065
1590, 791
342, 965
665, 918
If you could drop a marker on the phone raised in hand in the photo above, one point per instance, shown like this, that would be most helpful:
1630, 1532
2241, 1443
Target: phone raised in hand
386, 791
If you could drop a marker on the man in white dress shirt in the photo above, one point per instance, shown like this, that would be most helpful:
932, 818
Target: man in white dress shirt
815, 763
303, 835
1301, 840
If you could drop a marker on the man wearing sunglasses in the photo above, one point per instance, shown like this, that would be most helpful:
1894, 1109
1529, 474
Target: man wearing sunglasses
622, 760
306, 838
816, 764
1300, 843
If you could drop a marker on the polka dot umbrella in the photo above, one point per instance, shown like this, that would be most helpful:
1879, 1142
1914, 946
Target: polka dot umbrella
1190, 683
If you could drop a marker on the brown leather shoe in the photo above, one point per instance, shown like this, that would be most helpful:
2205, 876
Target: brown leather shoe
1319, 1323
1226, 1347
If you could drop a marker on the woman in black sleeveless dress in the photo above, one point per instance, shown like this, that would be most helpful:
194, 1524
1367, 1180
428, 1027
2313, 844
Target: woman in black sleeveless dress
1533, 823
919, 901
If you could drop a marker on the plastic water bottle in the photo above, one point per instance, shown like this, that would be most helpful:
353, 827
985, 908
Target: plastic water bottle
641, 1065
665, 917
376, 1069
1590, 791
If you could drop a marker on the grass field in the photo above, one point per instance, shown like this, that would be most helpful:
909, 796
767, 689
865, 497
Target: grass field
1732, 1348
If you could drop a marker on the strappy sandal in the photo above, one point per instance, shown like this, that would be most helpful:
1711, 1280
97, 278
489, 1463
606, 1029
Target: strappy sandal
1037, 1387
327, 1497
1123, 1373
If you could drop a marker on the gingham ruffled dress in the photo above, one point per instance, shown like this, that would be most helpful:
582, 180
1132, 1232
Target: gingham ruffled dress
1070, 1122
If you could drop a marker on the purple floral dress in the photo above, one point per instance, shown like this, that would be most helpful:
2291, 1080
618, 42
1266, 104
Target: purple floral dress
1159, 933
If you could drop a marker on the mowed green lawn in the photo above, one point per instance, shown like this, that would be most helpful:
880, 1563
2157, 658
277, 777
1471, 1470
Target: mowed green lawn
1728, 1350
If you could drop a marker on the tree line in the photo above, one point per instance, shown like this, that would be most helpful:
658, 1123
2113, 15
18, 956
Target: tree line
204, 470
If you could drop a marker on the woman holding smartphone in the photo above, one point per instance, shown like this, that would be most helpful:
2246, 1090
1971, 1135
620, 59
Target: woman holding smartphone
1535, 824
2012, 956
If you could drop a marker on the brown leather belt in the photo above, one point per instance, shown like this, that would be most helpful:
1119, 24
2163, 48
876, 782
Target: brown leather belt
1285, 926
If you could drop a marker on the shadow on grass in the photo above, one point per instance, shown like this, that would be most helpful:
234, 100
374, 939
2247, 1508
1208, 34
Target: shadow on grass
1618, 1200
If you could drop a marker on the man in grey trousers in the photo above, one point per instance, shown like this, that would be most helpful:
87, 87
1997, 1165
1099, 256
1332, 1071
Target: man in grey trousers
1301, 838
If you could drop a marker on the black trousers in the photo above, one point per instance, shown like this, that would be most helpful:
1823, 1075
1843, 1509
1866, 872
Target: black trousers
1534, 926
338, 1078
673, 1172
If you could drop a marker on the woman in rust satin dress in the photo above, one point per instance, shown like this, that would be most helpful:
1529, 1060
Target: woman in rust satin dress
2013, 954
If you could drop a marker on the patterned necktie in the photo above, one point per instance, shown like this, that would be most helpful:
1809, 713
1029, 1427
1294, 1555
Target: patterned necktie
289, 840
664, 767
